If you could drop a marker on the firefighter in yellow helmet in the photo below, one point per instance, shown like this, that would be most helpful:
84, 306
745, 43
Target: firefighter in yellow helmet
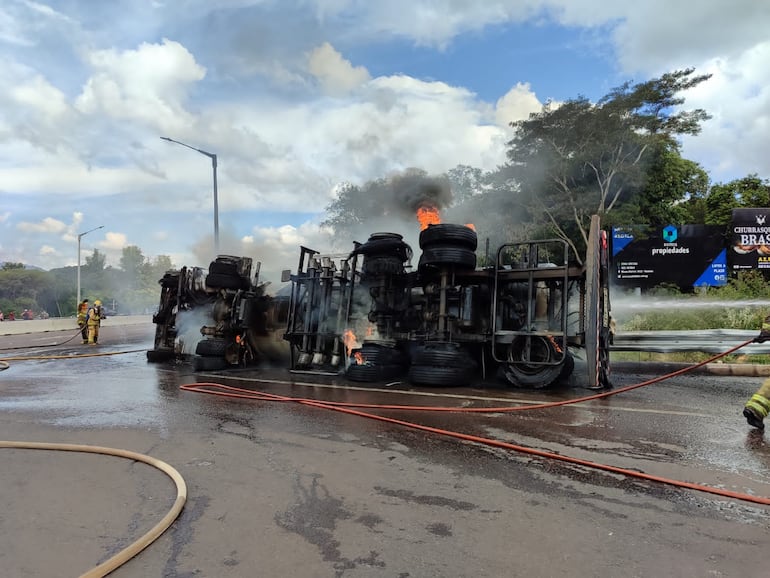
758, 406
93, 321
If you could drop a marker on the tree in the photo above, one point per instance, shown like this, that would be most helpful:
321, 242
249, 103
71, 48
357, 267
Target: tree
22, 289
134, 265
672, 187
577, 159
722, 198
158, 268
9, 266
96, 262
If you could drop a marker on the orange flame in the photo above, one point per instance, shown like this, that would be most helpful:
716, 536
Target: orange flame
359, 357
428, 216
349, 339
471, 226
370, 331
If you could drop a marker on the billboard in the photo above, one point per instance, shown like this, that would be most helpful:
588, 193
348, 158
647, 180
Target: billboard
749, 242
684, 255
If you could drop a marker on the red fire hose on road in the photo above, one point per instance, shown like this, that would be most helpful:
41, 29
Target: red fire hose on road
235, 392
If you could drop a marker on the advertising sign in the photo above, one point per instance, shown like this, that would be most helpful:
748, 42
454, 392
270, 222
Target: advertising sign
685, 255
750, 240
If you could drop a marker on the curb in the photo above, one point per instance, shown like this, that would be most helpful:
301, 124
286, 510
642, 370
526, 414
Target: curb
724, 369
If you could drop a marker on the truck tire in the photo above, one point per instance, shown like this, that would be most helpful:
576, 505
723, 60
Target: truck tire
211, 347
201, 363
538, 375
447, 234
457, 257
369, 373
440, 375
158, 355
443, 354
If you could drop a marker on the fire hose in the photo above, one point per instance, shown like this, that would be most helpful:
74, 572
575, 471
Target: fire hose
348, 408
158, 529
151, 535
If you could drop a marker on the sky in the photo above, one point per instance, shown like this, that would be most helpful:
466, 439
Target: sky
295, 97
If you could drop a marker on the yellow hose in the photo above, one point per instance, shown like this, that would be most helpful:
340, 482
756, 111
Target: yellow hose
154, 533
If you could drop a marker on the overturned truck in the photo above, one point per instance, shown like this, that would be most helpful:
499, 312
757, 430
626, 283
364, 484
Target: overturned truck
531, 315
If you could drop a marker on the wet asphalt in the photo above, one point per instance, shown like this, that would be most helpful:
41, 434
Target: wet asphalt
282, 489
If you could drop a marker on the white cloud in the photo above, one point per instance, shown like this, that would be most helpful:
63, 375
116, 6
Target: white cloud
734, 142
113, 242
42, 97
5, 216
149, 84
336, 75
80, 118
47, 225
517, 104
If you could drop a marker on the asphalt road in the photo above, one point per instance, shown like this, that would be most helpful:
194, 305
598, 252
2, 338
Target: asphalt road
281, 489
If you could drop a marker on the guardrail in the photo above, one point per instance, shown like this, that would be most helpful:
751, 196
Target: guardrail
706, 341
20, 326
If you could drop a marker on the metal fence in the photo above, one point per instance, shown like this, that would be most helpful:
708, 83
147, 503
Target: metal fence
706, 341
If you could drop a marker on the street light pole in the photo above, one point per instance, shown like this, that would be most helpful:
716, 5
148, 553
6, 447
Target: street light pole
213, 158
80, 236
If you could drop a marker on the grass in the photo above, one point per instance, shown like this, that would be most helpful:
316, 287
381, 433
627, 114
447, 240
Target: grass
743, 304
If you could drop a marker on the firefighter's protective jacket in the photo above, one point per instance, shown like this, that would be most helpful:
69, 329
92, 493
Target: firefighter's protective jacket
82, 313
95, 316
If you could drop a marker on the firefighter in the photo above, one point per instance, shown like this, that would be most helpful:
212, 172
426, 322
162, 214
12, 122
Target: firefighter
82, 312
93, 321
757, 408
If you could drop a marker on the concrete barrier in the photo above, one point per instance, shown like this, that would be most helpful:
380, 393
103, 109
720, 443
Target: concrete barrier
20, 326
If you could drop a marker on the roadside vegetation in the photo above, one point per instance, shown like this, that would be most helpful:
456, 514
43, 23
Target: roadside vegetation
742, 304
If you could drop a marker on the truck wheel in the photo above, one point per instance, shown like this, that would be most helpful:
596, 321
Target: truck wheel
380, 265
447, 234
443, 354
520, 373
201, 363
370, 373
458, 257
211, 347
440, 375
157, 355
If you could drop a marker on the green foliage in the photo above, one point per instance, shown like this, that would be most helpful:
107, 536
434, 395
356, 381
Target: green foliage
22, 289
749, 191
693, 318
8, 266
751, 284
578, 159
747, 286
55, 291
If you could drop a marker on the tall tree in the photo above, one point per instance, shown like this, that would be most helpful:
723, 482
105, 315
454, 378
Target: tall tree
95, 262
576, 159
158, 268
722, 198
9, 266
671, 187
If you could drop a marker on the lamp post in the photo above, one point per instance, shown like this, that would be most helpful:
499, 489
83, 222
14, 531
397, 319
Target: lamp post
80, 236
213, 158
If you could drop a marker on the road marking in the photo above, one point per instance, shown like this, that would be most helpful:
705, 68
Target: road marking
508, 400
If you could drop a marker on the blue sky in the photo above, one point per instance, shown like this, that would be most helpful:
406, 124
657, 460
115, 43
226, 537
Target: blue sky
297, 96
